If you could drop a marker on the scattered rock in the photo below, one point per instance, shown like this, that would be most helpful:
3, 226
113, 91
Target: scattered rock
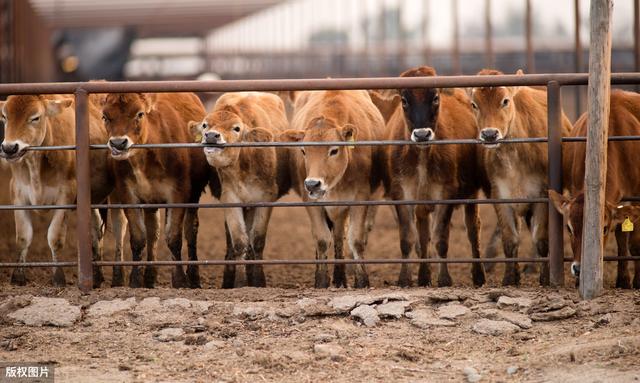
518, 319
344, 303
201, 307
251, 312
195, 340
14, 303
177, 303
148, 304
563, 313
517, 303
214, 345
367, 314
424, 318
523, 336
103, 309
394, 309
472, 374
550, 303
171, 334
603, 320
444, 296
452, 311
494, 327
512, 370
47, 311
324, 337
328, 350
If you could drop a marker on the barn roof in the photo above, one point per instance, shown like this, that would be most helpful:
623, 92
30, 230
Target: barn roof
150, 17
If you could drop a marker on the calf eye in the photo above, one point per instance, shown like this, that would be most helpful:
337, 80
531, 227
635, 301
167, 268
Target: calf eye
105, 118
436, 100
505, 102
35, 119
140, 115
204, 125
236, 129
303, 152
474, 106
333, 152
405, 103
605, 230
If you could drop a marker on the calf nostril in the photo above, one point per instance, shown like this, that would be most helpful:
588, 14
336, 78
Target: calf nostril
312, 184
10, 148
212, 138
118, 143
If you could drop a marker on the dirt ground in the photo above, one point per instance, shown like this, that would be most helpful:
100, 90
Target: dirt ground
600, 343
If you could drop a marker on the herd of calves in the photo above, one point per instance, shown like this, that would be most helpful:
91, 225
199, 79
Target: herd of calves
249, 174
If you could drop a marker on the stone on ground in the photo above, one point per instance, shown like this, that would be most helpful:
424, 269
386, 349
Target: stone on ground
47, 312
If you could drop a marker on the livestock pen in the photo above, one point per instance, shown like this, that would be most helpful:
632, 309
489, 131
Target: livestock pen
84, 263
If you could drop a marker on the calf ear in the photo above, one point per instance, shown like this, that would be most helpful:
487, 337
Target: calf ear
620, 213
55, 107
149, 100
195, 127
348, 132
258, 135
560, 202
513, 90
2, 104
291, 136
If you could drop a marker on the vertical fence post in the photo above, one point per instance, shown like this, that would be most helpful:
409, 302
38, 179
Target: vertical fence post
596, 157
83, 199
577, 55
554, 147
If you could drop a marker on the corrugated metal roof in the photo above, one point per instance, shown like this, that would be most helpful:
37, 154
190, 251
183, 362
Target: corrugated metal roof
155, 17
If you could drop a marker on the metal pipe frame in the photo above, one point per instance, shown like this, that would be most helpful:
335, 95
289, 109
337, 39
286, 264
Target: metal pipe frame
81, 90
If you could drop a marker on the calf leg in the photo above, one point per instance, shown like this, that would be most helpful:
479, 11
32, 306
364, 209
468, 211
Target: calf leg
339, 270
173, 235
258, 238
491, 251
234, 219
323, 238
540, 233
191, 225
357, 241
137, 241
152, 224
510, 242
118, 224
633, 242
442, 223
229, 275
622, 240
24, 235
56, 236
407, 231
424, 237
472, 223
97, 239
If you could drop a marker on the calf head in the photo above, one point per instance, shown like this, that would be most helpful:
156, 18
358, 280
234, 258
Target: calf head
421, 106
226, 127
494, 110
125, 118
325, 166
573, 210
25, 120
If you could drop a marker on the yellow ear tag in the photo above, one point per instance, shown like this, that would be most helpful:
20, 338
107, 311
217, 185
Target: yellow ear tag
627, 225
199, 137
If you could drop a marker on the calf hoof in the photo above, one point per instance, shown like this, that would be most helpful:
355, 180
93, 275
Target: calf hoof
339, 276
544, 275
529, 268
624, 282
193, 275
150, 277
404, 279
257, 278
322, 280
117, 279
98, 278
228, 277
362, 281
477, 275
135, 278
18, 277
424, 275
58, 278
179, 279
511, 279
444, 280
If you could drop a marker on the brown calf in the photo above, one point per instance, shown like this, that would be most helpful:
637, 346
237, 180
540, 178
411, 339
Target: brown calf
158, 175
337, 172
247, 174
48, 177
434, 172
518, 170
623, 179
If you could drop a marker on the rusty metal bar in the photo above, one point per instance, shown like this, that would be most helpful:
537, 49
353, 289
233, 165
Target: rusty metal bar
83, 182
554, 149
310, 84
214, 262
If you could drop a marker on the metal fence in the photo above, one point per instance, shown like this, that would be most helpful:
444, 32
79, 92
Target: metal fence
83, 206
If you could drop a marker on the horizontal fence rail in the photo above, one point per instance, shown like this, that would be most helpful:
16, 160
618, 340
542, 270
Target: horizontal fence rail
83, 90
